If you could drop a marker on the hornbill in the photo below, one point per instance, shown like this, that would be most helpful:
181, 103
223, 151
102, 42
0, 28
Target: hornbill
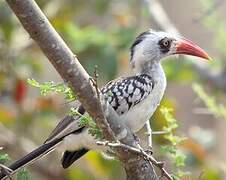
134, 98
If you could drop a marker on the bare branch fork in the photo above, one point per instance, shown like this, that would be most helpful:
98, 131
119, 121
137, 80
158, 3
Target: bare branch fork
140, 152
6, 171
71, 71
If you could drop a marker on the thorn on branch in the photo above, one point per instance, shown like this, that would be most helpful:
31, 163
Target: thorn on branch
94, 80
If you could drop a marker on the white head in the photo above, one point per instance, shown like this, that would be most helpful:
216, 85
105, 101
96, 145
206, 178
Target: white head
151, 46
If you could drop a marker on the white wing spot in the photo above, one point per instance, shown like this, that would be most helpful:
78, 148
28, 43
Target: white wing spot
137, 92
118, 93
130, 88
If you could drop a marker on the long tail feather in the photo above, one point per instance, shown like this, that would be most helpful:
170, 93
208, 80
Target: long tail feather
31, 157
70, 157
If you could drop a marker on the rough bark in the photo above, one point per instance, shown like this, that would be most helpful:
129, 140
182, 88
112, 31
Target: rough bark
71, 71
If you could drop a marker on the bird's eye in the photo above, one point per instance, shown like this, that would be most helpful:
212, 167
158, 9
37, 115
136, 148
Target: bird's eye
165, 44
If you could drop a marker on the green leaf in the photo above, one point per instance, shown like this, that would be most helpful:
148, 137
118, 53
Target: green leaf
175, 177
87, 121
168, 149
51, 86
179, 159
33, 82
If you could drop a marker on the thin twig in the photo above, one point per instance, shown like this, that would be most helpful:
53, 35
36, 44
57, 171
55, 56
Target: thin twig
141, 152
7, 171
96, 75
159, 132
94, 81
202, 111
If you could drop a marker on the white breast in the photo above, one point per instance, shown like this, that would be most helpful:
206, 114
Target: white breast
136, 117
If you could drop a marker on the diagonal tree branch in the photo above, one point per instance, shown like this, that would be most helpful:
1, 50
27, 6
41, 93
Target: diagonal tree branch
68, 66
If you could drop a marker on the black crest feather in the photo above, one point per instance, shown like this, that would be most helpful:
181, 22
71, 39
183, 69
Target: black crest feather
137, 41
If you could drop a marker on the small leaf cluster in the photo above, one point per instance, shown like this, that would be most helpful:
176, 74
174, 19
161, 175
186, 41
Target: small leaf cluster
177, 156
51, 86
61, 88
86, 120
4, 158
22, 173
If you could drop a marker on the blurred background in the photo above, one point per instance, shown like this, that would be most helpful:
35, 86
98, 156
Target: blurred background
100, 33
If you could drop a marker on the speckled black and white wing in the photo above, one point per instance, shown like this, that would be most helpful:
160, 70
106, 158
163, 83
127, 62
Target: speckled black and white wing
124, 93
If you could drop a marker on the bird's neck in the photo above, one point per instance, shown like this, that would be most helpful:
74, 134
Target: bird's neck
154, 69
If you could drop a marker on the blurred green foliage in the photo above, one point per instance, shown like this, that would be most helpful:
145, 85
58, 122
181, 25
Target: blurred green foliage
22, 174
4, 158
219, 110
177, 157
214, 22
99, 33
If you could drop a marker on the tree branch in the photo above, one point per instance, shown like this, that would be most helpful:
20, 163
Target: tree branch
68, 66
141, 152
